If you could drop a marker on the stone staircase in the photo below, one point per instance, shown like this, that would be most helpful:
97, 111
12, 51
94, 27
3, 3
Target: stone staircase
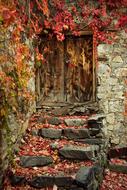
60, 153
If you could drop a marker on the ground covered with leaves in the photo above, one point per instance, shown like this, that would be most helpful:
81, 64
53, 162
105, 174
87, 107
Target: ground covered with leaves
114, 181
38, 146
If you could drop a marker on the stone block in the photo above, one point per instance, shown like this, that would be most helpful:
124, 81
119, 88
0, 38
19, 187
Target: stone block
78, 153
117, 152
35, 161
110, 118
104, 69
54, 121
94, 131
17, 180
94, 124
92, 141
114, 106
104, 49
50, 133
42, 181
75, 122
117, 59
41, 120
89, 177
121, 72
118, 168
76, 133
85, 176
35, 132
63, 181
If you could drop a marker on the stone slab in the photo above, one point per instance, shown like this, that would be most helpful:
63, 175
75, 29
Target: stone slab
75, 122
63, 181
35, 161
49, 181
85, 176
117, 152
50, 133
35, 132
94, 131
94, 124
118, 168
77, 152
89, 177
41, 120
92, 141
42, 181
17, 180
97, 117
76, 133
54, 121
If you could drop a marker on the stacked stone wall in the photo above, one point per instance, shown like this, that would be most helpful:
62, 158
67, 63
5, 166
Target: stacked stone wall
112, 87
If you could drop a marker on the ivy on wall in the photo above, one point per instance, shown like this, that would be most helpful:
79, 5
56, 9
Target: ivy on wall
52, 17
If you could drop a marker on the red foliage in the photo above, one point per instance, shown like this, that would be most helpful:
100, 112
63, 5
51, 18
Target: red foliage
60, 16
57, 18
114, 181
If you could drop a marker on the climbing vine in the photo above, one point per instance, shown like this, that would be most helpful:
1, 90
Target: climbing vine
15, 54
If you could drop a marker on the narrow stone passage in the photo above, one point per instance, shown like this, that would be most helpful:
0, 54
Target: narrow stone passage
59, 153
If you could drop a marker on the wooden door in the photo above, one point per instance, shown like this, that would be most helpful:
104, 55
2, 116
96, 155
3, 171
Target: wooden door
68, 73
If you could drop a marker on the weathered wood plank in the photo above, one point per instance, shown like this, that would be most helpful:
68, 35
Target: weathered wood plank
69, 72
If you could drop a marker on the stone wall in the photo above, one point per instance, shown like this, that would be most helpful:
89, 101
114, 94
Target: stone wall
13, 127
112, 87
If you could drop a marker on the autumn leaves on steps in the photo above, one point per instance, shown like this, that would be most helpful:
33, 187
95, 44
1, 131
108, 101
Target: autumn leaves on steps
67, 152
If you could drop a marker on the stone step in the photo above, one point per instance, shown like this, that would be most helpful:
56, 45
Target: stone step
76, 133
117, 151
76, 121
118, 168
93, 120
86, 178
35, 161
78, 152
68, 108
73, 152
69, 133
92, 141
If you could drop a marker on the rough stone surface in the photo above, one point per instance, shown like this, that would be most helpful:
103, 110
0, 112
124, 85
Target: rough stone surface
118, 168
15, 127
85, 176
89, 177
76, 133
35, 132
50, 133
94, 124
93, 141
63, 181
112, 87
17, 180
75, 122
117, 151
34, 161
94, 131
41, 120
42, 181
79, 153
49, 181
54, 121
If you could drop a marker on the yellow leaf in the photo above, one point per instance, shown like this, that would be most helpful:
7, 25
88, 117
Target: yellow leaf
2, 112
